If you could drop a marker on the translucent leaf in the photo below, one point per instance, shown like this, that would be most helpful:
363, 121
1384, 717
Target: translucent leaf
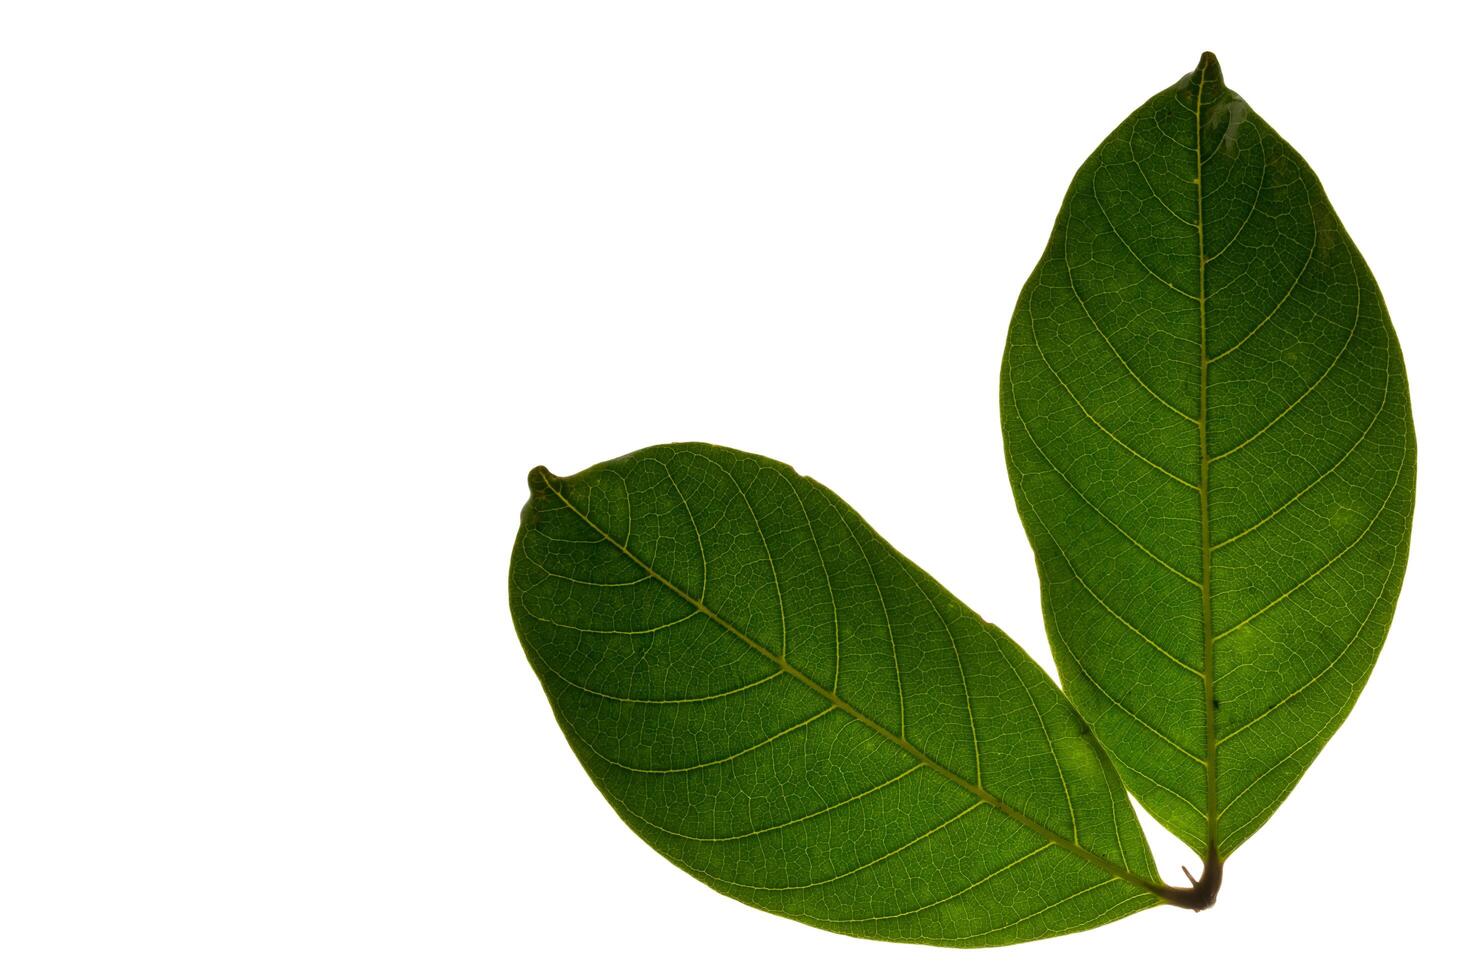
787, 708
1208, 433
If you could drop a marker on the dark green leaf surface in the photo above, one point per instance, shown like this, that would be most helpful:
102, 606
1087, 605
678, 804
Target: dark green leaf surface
787, 708
1208, 433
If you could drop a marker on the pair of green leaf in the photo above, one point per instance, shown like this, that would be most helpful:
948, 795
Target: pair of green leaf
1208, 434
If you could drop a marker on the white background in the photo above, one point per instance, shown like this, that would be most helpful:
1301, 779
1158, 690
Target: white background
295, 294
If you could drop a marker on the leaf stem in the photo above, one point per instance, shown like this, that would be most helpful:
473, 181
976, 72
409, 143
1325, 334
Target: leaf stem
1202, 892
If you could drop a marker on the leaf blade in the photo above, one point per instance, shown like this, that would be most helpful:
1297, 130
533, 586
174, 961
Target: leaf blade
1281, 572
738, 749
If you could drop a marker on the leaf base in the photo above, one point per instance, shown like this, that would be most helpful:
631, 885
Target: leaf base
1202, 892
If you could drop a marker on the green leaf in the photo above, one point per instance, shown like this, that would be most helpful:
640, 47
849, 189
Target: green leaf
1208, 433
784, 706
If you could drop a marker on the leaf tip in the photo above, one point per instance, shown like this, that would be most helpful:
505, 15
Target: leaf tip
1207, 76
539, 480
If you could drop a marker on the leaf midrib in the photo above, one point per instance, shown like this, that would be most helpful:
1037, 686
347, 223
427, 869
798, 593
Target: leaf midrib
1206, 601
1158, 890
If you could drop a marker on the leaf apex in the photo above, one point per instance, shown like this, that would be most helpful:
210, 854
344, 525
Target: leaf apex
1207, 74
541, 481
